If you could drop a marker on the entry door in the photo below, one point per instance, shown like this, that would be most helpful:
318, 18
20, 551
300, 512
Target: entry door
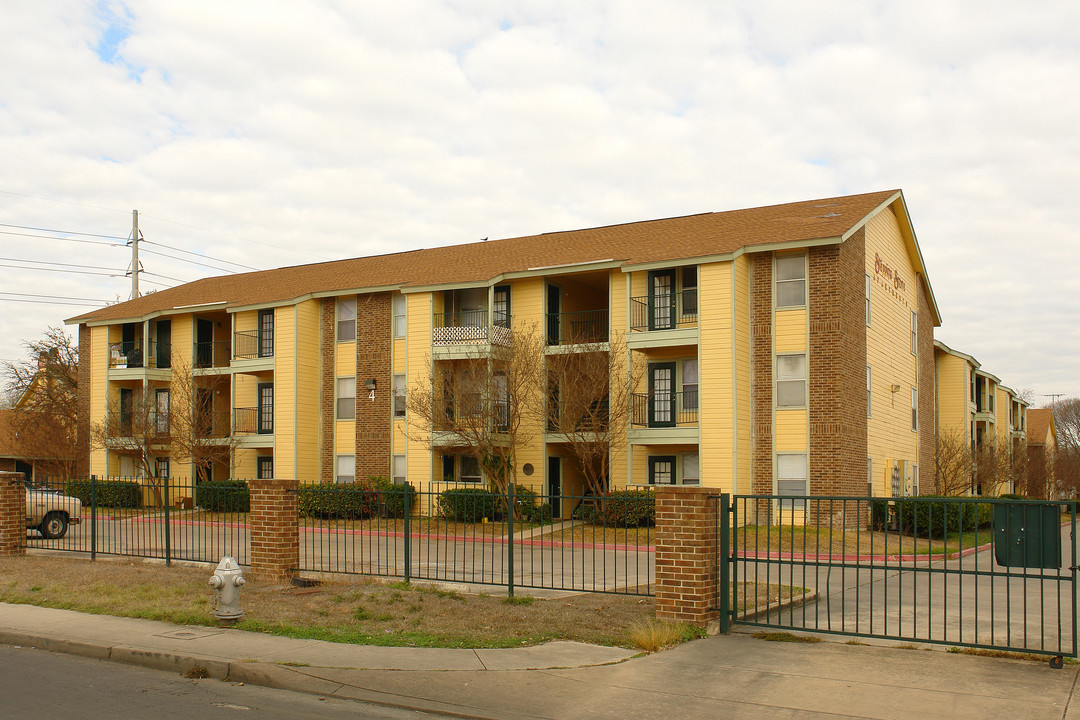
554, 316
661, 299
554, 479
163, 350
266, 408
204, 343
662, 394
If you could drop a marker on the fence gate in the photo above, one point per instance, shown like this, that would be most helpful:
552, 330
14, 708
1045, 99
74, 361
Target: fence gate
969, 572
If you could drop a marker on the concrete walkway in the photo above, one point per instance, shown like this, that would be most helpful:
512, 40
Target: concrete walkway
733, 676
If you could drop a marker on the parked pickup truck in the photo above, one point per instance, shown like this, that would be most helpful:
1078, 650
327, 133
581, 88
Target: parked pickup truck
50, 512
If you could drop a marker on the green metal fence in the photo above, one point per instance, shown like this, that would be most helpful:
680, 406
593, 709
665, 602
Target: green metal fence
466, 534
968, 572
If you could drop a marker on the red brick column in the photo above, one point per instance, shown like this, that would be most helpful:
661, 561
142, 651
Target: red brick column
686, 554
275, 537
12, 514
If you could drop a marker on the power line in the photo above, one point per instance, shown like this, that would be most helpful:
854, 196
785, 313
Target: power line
63, 232
53, 237
50, 262
54, 297
180, 259
147, 272
205, 257
51, 302
77, 272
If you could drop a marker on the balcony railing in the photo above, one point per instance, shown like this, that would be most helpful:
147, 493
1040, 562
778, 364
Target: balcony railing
126, 424
214, 354
471, 412
247, 345
130, 355
576, 328
665, 409
470, 327
214, 425
664, 312
249, 421
595, 419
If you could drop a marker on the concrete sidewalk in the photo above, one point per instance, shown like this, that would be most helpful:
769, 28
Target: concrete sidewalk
733, 676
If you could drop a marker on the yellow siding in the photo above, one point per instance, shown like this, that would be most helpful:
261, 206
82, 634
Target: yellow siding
527, 308
1002, 402
790, 330
307, 391
244, 463
246, 321
344, 437
344, 359
953, 390
285, 363
893, 287
791, 431
715, 372
618, 323
741, 333
99, 354
183, 341
418, 337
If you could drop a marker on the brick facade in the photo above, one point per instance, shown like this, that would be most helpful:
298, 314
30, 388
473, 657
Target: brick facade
927, 394
327, 348
12, 514
836, 368
275, 536
686, 557
761, 369
374, 323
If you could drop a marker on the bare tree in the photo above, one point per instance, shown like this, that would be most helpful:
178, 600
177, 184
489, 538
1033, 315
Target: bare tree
485, 403
954, 463
1067, 422
590, 404
44, 390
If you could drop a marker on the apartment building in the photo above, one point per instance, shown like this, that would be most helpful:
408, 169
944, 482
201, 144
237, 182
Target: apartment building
976, 411
784, 349
1042, 454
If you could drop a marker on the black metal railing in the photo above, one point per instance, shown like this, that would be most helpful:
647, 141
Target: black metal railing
464, 533
660, 409
164, 518
664, 312
246, 420
249, 344
577, 328
126, 355
128, 424
973, 572
212, 354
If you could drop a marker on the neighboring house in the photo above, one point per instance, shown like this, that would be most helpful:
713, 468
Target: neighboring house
1042, 452
11, 459
788, 349
990, 418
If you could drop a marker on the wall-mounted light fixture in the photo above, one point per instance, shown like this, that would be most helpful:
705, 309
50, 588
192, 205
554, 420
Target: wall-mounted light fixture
895, 388
370, 384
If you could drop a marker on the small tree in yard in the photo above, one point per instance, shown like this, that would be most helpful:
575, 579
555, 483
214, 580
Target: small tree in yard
44, 392
485, 403
954, 463
590, 403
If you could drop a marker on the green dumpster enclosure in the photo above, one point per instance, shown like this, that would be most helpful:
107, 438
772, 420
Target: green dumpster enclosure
1027, 536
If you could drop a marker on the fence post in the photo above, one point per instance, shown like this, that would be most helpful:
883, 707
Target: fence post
93, 517
408, 537
686, 554
724, 570
168, 533
510, 539
12, 514
275, 528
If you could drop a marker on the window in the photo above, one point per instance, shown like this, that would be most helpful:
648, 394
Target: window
870, 477
469, 469
868, 393
868, 300
790, 271
265, 467
265, 411
689, 292
399, 316
914, 408
346, 398
161, 467
914, 479
501, 306
690, 384
266, 333
914, 333
662, 470
791, 381
399, 395
346, 320
346, 468
791, 477
399, 469
161, 411
691, 469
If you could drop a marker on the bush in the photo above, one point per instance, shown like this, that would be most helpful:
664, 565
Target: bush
934, 519
620, 508
338, 502
223, 496
392, 497
108, 493
879, 514
985, 515
528, 508
470, 504
1011, 496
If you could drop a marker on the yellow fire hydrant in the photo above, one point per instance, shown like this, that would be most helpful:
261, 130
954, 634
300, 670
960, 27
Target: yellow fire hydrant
227, 579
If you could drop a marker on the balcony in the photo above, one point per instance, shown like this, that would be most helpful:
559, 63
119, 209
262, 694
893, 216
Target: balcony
212, 425
470, 327
577, 328
130, 355
212, 354
129, 424
247, 345
665, 409
249, 421
673, 311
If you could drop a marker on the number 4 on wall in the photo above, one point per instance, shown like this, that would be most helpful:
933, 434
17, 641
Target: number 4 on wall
371, 396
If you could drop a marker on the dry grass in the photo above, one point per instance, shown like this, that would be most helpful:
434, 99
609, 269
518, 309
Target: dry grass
652, 635
360, 611
823, 541
786, 637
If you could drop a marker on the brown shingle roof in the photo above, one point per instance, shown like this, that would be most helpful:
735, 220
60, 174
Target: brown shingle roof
1038, 425
672, 239
7, 434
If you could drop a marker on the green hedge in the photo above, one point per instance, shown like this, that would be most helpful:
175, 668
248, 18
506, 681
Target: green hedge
936, 518
108, 493
392, 497
223, 496
470, 504
620, 508
879, 514
376, 497
528, 507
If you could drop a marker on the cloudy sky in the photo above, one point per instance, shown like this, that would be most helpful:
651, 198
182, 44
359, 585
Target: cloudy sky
261, 134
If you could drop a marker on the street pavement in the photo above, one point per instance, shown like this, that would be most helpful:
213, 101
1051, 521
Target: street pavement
729, 676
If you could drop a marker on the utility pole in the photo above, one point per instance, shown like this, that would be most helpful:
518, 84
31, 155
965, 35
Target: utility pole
135, 267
